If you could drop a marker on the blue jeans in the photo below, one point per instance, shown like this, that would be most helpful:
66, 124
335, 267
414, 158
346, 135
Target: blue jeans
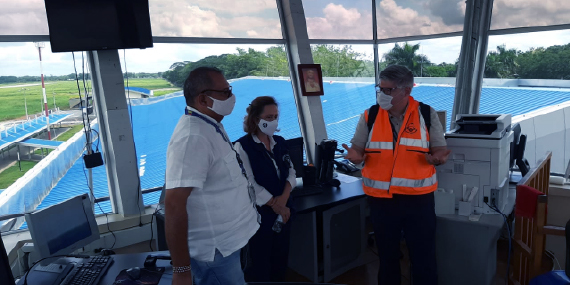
221, 271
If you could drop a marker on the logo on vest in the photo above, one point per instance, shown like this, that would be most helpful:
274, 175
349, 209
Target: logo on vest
411, 129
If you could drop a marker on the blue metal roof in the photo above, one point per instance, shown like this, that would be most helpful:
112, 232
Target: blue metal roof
343, 103
26, 129
41, 143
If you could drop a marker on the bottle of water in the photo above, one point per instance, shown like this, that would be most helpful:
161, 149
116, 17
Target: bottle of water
278, 224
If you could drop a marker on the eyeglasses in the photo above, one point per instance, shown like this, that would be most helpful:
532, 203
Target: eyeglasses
387, 91
228, 92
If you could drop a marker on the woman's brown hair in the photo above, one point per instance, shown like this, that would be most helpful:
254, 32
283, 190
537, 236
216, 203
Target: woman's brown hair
254, 111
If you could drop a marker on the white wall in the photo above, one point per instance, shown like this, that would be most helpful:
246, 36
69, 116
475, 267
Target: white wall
547, 129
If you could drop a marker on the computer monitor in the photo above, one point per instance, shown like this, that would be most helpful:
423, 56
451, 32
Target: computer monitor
295, 147
63, 228
82, 25
518, 146
6, 276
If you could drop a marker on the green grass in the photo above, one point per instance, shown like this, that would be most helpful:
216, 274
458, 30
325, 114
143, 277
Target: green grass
12, 173
69, 133
39, 151
164, 92
150, 83
62, 138
12, 99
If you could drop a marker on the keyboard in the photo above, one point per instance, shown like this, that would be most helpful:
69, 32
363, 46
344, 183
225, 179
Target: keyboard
89, 271
306, 191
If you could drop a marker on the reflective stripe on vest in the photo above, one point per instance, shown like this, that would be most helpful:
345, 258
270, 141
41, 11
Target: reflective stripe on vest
380, 145
403, 182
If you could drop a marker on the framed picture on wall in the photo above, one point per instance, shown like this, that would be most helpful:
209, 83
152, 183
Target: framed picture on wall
311, 78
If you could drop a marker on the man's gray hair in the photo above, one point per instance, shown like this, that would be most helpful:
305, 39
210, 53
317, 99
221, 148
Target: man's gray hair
198, 80
398, 74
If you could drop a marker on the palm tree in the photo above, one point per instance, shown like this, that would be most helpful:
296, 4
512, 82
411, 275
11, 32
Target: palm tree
406, 55
501, 63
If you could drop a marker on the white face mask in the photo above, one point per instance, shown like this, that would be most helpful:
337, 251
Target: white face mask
385, 101
223, 108
268, 127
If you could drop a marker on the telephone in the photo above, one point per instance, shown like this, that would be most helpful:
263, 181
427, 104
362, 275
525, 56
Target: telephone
345, 166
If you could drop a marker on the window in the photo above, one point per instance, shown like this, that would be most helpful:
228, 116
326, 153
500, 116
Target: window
22, 109
252, 70
348, 81
527, 13
339, 19
215, 19
434, 64
196, 18
23, 18
414, 18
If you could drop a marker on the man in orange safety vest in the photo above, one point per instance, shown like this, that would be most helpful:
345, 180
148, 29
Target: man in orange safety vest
400, 141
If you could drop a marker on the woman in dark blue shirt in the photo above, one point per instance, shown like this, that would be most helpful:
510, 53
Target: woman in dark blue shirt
265, 155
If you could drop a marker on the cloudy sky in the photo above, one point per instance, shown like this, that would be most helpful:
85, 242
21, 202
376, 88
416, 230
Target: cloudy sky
326, 19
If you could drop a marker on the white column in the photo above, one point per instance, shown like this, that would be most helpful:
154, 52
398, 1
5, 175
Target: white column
115, 131
472, 57
309, 108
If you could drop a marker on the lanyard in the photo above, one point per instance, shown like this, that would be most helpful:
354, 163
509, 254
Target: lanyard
251, 191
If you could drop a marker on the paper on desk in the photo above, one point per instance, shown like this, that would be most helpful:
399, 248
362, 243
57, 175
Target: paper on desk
347, 178
473, 193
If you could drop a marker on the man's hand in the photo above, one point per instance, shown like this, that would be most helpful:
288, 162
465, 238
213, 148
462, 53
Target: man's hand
285, 212
176, 231
281, 200
438, 155
354, 154
182, 278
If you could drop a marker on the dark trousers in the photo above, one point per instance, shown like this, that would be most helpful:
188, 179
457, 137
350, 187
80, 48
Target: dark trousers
415, 216
268, 250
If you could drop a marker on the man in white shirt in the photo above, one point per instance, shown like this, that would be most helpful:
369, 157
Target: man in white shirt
210, 212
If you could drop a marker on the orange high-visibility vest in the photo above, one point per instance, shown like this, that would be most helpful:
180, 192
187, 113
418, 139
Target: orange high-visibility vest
403, 168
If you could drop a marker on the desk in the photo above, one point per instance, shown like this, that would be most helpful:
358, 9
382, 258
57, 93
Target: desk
120, 262
125, 261
327, 235
466, 251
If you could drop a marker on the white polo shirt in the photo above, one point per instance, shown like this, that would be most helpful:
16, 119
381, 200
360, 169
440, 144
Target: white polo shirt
220, 213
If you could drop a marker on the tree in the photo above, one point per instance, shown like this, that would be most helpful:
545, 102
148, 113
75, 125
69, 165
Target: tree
406, 55
441, 70
502, 63
277, 63
549, 63
340, 61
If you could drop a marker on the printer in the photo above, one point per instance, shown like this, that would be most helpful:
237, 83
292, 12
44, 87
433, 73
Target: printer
479, 161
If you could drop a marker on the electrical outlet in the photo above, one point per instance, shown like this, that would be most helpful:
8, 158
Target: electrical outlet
494, 197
